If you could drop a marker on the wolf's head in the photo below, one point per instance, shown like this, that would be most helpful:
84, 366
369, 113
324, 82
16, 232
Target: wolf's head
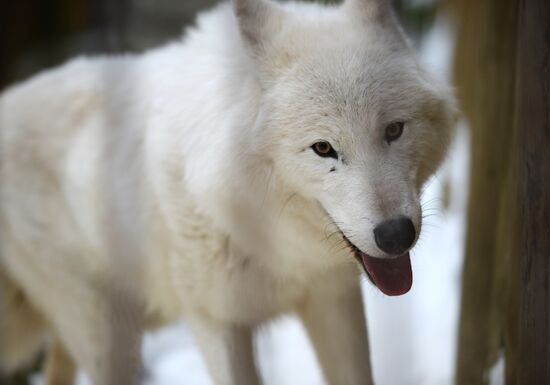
350, 119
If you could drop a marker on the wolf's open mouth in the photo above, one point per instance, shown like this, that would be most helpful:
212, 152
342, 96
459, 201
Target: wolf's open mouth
393, 276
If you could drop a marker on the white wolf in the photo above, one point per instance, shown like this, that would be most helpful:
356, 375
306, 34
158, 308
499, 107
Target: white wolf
229, 178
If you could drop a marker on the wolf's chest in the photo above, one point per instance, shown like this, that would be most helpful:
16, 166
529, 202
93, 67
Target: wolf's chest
245, 285
250, 267
238, 290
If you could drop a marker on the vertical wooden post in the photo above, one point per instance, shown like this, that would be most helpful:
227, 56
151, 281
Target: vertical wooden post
485, 77
533, 119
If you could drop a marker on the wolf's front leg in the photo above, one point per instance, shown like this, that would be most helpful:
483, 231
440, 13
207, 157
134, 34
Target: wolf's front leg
227, 350
60, 368
334, 319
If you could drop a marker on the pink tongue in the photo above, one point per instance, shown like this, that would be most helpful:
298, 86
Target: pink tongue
392, 276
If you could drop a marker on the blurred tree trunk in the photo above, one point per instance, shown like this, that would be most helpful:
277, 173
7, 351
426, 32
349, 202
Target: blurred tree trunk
533, 263
503, 77
485, 77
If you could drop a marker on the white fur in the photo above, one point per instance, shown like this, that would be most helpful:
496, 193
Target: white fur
140, 189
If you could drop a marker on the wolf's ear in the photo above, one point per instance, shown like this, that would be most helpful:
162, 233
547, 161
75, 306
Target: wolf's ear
378, 14
370, 10
259, 21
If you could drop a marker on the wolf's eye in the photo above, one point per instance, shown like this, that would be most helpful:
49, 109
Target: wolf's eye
394, 131
325, 150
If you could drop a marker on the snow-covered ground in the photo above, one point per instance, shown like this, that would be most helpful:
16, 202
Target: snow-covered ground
413, 338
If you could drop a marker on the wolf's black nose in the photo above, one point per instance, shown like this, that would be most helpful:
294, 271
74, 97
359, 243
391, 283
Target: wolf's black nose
395, 236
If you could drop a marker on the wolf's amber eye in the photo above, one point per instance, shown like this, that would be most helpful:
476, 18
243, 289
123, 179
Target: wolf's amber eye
394, 131
325, 150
